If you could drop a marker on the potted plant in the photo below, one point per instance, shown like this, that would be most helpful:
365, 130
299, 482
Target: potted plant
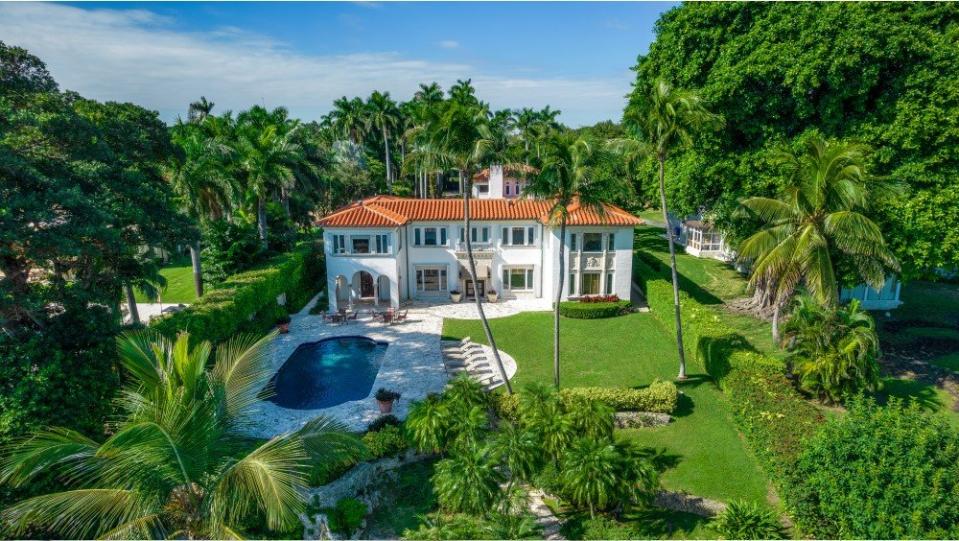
385, 399
283, 323
455, 295
491, 295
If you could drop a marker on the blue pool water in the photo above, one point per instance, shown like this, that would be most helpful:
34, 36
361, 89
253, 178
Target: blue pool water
329, 372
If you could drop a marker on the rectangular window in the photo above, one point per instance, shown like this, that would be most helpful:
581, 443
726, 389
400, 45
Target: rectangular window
361, 245
483, 188
611, 242
429, 236
430, 279
506, 189
518, 279
572, 242
505, 238
519, 236
609, 283
417, 239
592, 242
572, 284
462, 234
529, 236
442, 236
339, 244
591, 281
480, 234
383, 243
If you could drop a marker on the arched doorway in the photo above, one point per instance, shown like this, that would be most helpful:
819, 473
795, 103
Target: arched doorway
363, 285
383, 288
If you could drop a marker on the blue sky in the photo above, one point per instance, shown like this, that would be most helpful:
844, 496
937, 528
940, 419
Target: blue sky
572, 56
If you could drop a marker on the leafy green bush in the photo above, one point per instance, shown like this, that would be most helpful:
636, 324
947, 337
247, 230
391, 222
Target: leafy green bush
247, 301
882, 473
593, 310
387, 441
347, 515
659, 397
747, 520
383, 421
833, 349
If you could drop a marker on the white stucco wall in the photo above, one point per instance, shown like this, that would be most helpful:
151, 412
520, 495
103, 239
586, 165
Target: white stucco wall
622, 266
348, 265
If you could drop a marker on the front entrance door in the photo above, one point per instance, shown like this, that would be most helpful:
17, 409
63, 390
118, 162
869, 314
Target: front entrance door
366, 285
480, 288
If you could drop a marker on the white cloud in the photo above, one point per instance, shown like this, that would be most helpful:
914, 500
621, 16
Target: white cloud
137, 55
449, 44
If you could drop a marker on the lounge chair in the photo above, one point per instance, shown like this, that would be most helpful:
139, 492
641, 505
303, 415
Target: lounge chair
351, 317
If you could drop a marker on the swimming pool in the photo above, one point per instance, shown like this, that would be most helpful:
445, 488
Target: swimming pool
327, 373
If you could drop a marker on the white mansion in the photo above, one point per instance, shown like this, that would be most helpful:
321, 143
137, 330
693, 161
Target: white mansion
385, 249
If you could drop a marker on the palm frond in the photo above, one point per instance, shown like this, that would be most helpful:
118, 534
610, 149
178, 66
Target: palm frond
79, 514
43, 451
243, 369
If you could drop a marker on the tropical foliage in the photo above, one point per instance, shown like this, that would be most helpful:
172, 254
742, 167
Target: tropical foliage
817, 226
833, 351
173, 465
881, 74
747, 520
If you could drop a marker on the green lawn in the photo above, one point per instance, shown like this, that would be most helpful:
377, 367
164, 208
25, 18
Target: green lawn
697, 452
179, 286
654, 216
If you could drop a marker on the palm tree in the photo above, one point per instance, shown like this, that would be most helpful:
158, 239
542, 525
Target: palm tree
818, 215
567, 180
461, 139
174, 466
383, 114
467, 481
201, 178
662, 121
348, 117
199, 110
267, 150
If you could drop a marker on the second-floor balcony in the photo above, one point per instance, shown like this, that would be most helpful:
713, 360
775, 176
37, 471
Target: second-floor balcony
481, 250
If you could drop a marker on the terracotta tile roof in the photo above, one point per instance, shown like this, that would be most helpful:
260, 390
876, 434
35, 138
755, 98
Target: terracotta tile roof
522, 168
389, 211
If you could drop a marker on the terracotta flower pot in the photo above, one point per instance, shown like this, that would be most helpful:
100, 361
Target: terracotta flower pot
283, 327
386, 406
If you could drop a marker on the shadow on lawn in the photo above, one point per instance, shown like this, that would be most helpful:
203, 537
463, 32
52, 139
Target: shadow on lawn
651, 241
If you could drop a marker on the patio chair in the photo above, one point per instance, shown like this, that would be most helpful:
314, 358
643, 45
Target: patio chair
351, 317
400, 317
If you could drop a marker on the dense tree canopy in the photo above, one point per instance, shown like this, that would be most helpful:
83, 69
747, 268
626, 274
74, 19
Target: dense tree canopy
886, 75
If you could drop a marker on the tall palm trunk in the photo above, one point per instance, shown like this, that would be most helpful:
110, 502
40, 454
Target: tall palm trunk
389, 171
131, 304
261, 220
285, 201
476, 298
197, 270
672, 266
559, 298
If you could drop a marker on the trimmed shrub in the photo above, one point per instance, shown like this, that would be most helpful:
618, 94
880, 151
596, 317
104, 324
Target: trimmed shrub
387, 441
659, 397
880, 473
246, 302
745, 520
593, 310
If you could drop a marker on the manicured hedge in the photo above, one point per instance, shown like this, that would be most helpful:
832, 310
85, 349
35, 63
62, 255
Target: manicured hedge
247, 302
771, 414
593, 310
659, 397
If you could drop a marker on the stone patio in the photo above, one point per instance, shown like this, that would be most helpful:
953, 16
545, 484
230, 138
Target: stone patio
412, 363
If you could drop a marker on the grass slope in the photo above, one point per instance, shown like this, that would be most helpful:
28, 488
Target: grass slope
700, 452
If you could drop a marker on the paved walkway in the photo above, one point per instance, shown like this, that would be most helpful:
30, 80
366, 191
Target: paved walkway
467, 309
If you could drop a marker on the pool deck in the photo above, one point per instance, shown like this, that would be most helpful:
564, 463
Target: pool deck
412, 364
